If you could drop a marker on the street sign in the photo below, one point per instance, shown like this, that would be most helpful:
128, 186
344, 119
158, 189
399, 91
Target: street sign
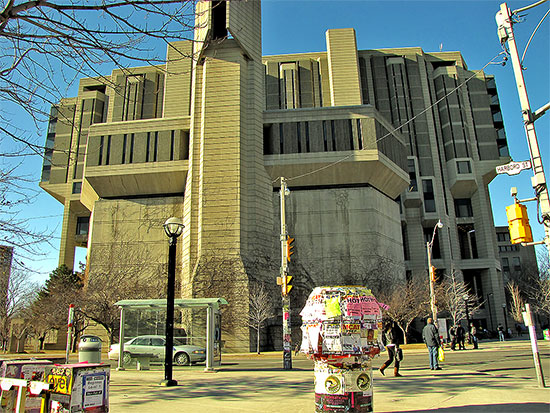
513, 168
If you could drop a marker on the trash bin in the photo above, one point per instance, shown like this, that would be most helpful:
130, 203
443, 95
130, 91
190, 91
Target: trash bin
89, 349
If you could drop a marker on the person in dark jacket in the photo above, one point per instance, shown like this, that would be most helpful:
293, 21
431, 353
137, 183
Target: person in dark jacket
461, 337
430, 336
391, 341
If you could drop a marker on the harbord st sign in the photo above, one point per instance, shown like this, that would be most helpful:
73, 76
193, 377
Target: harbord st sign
513, 168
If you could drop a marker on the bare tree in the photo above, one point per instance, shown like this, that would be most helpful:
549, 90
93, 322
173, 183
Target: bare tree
261, 309
15, 300
46, 46
517, 303
407, 301
455, 296
17, 191
114, 280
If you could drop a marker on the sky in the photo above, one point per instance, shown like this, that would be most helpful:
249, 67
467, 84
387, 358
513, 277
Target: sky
468, 26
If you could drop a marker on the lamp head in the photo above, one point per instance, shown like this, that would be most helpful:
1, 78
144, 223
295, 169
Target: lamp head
439, 224
173, 227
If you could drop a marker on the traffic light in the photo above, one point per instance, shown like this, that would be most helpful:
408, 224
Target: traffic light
286, 287
289, 247
518, 224
432, 274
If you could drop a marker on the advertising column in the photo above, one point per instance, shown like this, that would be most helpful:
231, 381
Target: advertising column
340, 332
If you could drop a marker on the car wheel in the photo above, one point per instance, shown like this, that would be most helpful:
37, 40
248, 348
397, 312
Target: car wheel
126, 358
182, 359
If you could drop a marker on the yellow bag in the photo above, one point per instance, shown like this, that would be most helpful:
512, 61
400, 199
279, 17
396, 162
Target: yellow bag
440, 354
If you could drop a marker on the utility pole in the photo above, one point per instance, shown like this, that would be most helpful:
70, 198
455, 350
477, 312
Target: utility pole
528, 320
284, 279
506, 34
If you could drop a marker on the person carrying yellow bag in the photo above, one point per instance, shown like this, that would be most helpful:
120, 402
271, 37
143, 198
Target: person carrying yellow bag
430, 336
440, 354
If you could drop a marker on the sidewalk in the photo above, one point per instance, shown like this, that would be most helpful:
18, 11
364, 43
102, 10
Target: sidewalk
239, 389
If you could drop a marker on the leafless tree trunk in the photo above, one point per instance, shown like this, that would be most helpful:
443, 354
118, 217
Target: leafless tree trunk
19, 295
517, 303
454, 295
407, 301
261, 309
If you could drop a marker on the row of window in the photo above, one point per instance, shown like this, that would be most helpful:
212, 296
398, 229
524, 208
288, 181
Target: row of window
516, 264
508, 248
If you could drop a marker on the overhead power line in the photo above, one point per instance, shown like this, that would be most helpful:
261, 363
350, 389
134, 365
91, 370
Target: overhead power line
399, 127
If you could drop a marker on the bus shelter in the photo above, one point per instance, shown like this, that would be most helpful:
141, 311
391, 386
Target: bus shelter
212, 306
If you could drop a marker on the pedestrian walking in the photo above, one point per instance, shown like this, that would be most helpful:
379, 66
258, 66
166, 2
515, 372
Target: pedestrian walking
518, 329
430, 336
391, 341
461, 337
500, 332
473, 335
452, 333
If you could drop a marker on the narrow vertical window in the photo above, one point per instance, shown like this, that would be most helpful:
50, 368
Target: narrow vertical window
156, 147
307, 137
108, 152
281, 138
172, 144
333, 135
124, 141
299, 136
325, 143
148, 144
131, 148
359, 134
100, 160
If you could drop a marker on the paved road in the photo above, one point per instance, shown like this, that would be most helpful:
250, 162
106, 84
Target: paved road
498, 377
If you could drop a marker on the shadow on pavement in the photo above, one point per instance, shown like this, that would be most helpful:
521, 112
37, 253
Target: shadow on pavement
214, 387
509, 407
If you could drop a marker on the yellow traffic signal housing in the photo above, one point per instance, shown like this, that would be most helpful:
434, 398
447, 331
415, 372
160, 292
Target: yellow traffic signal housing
432, 274
518, 224
286, 287
289, 247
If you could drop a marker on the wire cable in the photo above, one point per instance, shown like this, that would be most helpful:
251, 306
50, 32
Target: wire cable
399, 127
533, 35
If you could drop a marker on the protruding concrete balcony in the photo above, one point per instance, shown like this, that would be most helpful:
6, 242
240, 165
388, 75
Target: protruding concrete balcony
137, 158
351, 145
462, 178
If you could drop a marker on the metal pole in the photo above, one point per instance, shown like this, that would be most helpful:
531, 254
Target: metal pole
69, 332
170, 295
490, 315
285, 298
209, 337
528, 317
505, 318
121, 341
432, 292
506, 33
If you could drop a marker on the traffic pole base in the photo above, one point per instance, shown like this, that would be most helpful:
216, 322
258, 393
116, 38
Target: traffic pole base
168, 383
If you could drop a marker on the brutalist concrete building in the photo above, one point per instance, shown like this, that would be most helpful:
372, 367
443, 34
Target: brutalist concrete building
377, 146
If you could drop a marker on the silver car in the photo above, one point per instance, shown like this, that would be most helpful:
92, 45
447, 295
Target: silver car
142, 345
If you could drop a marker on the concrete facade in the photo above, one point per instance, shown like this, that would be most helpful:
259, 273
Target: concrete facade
206, 137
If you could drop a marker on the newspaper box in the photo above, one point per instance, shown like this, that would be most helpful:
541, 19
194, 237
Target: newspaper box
82, 387
32, 370
340, 332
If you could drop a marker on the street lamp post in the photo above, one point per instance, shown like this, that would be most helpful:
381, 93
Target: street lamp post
489, 309
173, 228
465, 297
431, 273
505, 318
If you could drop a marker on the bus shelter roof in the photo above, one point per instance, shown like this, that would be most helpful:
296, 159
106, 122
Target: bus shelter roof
161, 303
